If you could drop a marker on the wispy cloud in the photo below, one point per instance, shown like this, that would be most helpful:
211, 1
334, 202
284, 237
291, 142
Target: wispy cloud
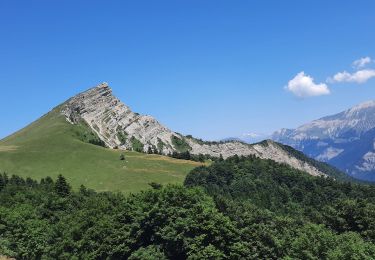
303, 85
362, 62
360, 76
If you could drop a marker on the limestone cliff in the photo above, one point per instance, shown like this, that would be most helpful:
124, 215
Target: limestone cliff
118, 127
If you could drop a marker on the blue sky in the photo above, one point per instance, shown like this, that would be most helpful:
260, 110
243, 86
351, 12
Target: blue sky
212, 69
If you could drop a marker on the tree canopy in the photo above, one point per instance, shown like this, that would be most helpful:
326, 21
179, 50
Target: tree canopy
238, 208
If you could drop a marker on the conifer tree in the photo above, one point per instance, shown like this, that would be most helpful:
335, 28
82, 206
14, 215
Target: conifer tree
2, 182
62, 187
83, 190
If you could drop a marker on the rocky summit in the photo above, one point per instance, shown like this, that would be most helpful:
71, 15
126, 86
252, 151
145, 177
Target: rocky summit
119, 127
115, 123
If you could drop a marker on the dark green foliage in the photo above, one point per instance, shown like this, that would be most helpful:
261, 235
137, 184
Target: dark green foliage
166, 223
122, 137
180, 144
282, 212
148, 253
160, 144
155, 185
3, 180
184, 155
62, 188
193, 157
85, 134
122, 157
200, 141
238, 208
136, 144
275, 186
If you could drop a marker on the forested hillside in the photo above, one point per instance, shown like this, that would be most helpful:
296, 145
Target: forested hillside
239, 208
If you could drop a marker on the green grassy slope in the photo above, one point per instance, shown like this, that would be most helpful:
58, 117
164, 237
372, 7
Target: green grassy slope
50, 146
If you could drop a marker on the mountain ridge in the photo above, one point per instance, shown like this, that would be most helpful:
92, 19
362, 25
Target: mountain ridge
337, 139
119, 127
68, 140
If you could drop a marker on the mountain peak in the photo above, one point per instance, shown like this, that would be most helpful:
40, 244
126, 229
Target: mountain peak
103, 85
119, 127
358, 119
366, 104
360, 107
102, 89
345, 140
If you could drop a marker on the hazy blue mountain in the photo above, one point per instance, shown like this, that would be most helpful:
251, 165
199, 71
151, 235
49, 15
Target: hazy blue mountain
249, 138
345, 140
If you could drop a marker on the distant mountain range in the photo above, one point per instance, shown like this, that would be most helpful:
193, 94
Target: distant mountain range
345, 140
249, 138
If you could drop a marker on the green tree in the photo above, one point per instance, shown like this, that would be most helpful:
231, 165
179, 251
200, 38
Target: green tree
62, 188
155, 185
2, 182
148, 253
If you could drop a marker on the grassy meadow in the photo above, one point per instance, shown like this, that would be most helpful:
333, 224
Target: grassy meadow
49, 147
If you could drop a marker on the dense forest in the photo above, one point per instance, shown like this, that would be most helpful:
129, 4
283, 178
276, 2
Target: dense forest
238, 208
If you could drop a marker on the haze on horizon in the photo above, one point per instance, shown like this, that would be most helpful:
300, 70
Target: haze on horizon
213, 69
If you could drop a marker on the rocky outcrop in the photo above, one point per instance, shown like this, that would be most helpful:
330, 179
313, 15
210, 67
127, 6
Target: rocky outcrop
118, 127
115, 123
273, 151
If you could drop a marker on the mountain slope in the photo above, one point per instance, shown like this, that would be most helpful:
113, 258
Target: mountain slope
345, 140
84, 137
52, 146
119, 127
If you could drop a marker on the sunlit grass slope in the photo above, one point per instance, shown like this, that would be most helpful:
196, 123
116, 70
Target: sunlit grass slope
50, 146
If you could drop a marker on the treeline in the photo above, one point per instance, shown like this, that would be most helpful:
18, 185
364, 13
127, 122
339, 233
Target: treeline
239, 208
194, 157
186, 155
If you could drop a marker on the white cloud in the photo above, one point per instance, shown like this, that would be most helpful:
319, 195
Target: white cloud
360, 63
303, 85
360, 76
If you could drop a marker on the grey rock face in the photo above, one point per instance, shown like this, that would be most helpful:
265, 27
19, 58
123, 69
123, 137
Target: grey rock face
119, 127
343, 140
115, 123
356, 120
